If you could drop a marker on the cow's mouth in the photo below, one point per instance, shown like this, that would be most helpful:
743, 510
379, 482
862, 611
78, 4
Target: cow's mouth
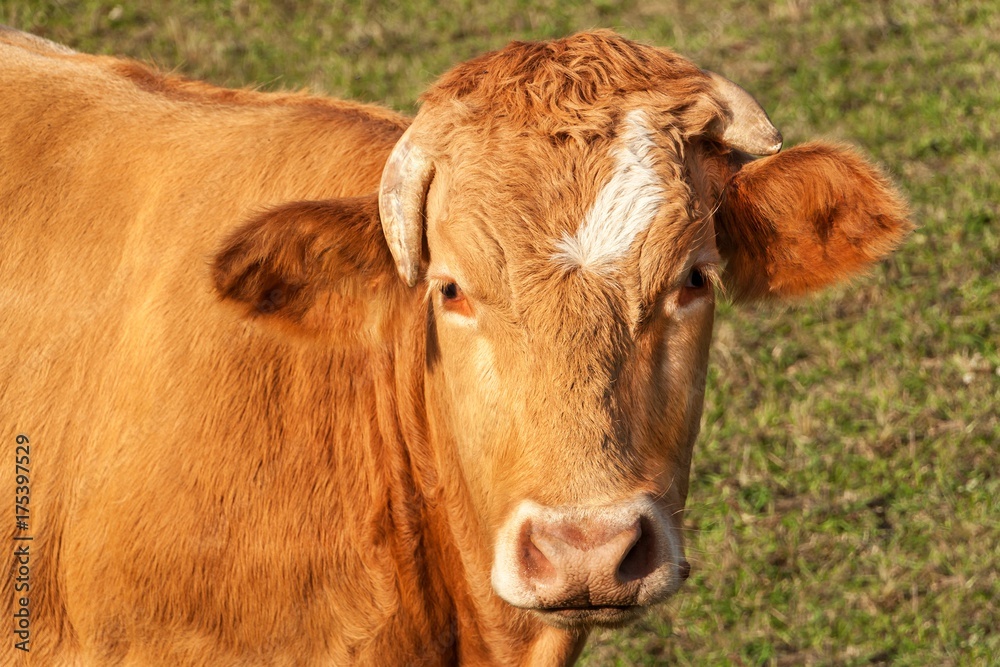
608, 616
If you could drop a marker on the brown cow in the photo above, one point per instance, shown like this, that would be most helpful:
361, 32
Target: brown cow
249, 442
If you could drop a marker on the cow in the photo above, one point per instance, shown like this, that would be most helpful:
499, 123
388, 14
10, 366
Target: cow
300, 381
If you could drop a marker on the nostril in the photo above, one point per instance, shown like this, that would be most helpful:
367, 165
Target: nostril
641, 559
536, 566
684, 569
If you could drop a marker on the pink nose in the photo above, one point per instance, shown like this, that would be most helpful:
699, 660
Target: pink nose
594, 561
618, 555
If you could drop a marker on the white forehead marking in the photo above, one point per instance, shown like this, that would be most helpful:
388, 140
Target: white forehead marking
625, 206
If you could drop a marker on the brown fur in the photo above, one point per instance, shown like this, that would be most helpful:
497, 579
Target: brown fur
574, 87
251, 444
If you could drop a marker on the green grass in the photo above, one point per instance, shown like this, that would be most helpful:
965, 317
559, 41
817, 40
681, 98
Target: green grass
845, 504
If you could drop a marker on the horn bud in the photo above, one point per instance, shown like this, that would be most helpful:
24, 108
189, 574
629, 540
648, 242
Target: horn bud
747, 126
405, 179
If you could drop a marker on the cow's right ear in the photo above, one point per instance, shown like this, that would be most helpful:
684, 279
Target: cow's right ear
310, 265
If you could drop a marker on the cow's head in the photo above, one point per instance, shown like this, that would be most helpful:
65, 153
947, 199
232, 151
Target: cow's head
568, 210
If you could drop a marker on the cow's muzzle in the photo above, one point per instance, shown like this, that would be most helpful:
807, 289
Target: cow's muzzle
590, 565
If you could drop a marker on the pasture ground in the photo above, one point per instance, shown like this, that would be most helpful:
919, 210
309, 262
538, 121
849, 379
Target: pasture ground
845, 505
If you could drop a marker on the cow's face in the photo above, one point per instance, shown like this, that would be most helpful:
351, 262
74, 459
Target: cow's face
571, 300
570, 290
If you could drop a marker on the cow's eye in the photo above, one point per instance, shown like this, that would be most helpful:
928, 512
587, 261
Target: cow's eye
695, 286
453, 299
696, 279
451, 292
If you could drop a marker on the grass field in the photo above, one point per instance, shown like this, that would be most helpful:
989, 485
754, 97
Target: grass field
845, 504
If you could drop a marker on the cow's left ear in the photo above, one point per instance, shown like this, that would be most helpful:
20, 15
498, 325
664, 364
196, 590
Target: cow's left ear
803, 219
308, 264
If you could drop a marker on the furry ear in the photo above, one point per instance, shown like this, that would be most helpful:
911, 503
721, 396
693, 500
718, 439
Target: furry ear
803, 219
313, 265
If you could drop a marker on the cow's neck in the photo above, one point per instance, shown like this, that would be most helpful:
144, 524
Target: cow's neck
489, 631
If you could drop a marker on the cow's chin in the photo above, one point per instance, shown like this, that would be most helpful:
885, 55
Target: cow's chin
575, 618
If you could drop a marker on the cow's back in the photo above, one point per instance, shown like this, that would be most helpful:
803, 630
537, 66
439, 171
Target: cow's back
185, 461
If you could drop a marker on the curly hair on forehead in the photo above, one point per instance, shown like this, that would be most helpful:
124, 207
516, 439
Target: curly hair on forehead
575, 86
